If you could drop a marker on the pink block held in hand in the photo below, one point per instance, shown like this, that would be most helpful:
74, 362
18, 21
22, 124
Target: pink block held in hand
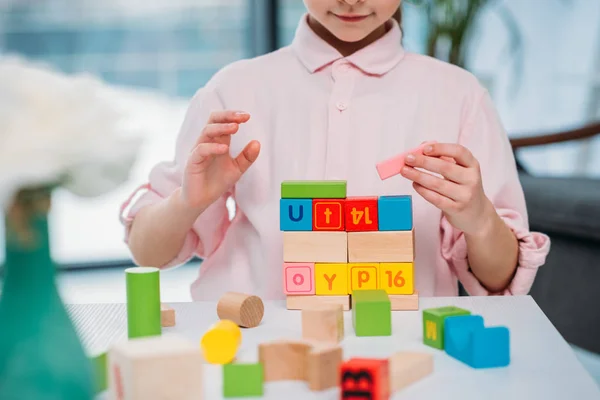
390, 167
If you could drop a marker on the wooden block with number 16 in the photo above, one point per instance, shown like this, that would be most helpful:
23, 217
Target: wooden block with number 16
397, 278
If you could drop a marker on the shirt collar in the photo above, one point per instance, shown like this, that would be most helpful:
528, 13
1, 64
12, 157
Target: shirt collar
377, 58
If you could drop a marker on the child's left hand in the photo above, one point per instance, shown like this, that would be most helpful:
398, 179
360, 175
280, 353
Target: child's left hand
460, 195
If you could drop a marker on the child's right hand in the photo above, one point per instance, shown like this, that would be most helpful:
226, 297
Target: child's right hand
210, 170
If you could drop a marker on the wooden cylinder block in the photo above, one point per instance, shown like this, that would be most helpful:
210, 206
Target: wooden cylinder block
245, 310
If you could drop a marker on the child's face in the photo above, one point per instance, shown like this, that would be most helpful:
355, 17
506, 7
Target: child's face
351, 20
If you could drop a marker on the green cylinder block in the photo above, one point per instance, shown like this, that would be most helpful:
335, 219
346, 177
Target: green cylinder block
143, 302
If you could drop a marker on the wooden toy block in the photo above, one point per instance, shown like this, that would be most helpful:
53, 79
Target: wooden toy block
323, 323
363, 378
397, 278
284, 360
408, 367
469, 341
331, 279
371, 313
299, 278
392, 166
295, 215
156, 367
143, 302
244, 309
377, 247
315, 247
361, 214
323, 367
328, 215
313, 189
167, 316
433, 324
100, 368
221, 341
363, 276
395, 213
240, 380
405, 302
304, 302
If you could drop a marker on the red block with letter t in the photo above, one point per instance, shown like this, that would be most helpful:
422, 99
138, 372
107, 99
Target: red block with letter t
328, 215
362, 214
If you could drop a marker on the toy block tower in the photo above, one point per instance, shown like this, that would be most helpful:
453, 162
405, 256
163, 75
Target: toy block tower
334, 244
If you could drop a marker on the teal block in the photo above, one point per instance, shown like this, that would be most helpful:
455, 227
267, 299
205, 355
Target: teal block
469, 341
395, 213
240, 380
371, 313
295, 215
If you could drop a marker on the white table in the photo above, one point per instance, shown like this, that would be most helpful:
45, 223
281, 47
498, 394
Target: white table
543, 366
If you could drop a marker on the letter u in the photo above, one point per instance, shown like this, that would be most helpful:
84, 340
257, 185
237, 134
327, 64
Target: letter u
300, 213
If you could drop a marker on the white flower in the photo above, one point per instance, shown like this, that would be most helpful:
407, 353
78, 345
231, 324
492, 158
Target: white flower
60, 129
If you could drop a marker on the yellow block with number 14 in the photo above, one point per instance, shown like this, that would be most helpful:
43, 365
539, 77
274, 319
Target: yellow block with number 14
397, 278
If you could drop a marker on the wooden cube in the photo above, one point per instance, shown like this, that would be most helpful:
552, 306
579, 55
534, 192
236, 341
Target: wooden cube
361, 214
363, 378
371, 313
363, 276
328, 215
380, 246
295, 215
304, 302
315, 247
299, 278
323, 367
331, 278
408, 367
157, 367
167, 316
284, 360
395, 213
397, 278
323, 323
433, 324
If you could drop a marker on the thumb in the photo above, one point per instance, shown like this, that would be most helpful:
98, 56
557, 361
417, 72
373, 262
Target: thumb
247, 156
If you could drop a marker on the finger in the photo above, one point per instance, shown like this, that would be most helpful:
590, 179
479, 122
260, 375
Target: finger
247, 156
215, 130
448, 170
459, 153
205, 150
438, 200
227, 116
439, 185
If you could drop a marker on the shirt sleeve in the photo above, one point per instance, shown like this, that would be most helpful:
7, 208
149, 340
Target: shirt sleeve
484, 135
165, 177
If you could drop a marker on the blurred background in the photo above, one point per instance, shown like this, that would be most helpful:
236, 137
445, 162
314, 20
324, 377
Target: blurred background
141, 61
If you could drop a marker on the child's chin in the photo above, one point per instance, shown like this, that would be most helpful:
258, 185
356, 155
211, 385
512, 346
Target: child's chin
352, 36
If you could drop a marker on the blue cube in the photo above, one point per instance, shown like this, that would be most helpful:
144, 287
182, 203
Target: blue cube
468, 340
395, 213
295, 215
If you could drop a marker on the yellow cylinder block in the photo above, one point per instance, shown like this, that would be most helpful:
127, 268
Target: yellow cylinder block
221, 342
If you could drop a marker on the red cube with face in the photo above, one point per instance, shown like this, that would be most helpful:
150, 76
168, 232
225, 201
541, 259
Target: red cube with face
365, 379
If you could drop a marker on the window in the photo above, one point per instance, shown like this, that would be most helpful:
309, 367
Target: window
161, 52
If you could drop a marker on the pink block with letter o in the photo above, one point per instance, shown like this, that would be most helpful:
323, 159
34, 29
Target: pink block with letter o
299, 278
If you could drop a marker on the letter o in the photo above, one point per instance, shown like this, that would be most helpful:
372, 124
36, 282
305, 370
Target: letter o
298, 279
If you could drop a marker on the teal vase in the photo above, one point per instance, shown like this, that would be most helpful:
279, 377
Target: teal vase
41, 355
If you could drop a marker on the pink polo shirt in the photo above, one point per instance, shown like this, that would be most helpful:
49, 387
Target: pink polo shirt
320, 116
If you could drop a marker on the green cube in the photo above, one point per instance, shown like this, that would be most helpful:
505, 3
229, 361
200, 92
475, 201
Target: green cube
433, 324
100, 368
371, 313
313, 189
241, 380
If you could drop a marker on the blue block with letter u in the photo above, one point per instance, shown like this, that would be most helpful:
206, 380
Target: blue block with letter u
468, 340
295, 214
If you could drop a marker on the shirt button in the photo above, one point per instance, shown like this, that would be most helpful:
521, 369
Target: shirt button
341, 105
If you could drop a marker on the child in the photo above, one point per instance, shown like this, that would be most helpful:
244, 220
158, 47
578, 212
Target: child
341, 98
